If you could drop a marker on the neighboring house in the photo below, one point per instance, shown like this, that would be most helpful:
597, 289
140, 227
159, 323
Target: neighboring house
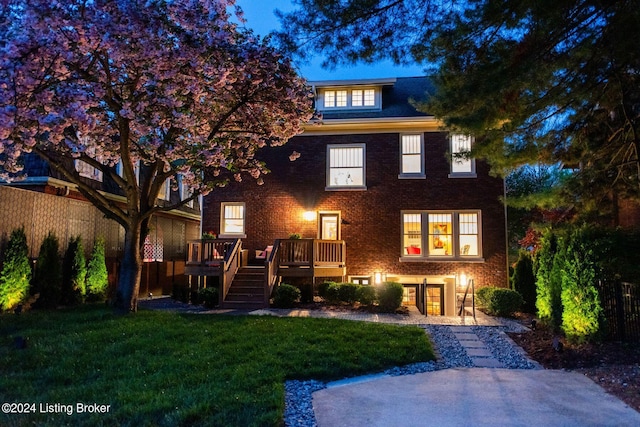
377, 194
44, 202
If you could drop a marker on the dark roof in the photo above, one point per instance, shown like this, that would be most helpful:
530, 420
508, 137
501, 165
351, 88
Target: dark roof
395, 100
34, 165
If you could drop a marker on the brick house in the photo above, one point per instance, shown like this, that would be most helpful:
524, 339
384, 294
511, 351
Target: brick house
45, 202
375, 194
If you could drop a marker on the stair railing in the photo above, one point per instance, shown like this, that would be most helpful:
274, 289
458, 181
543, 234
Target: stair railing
271, 271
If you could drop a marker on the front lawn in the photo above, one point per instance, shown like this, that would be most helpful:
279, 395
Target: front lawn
160, 368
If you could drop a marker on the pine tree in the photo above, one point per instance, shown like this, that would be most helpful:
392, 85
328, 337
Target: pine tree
16, 272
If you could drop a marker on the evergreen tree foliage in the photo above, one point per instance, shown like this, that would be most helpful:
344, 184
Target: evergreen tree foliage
524, 282
47, 280
74, 271
16, 272
97, 275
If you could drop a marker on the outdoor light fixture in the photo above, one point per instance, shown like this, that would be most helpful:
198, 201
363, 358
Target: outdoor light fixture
377, 277
309, 215
463, 279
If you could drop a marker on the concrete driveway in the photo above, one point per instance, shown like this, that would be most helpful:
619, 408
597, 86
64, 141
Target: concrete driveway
472, 397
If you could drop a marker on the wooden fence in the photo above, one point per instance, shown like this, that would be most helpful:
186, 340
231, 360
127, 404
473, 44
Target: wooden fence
621, 304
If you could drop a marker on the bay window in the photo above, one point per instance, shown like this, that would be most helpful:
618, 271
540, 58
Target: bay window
441, 234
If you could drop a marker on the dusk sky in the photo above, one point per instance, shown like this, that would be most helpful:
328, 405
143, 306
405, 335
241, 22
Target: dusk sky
260, 17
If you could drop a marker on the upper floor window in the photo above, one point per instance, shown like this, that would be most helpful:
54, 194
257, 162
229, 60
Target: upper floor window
136, 170
335, 98
184, 191
461, 163
411, 156
350, 98
346, 166
441, 235
86, 170
232, 219
165, 190
363, 97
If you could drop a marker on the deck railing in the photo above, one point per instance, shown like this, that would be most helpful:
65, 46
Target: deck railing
311, 257
217, 257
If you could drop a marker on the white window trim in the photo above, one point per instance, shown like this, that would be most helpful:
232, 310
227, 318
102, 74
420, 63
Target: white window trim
320, 105
85, 170
244, 220
183, 191
414, 175
424, 256
166, 195
452, 174
330, 187
136, 170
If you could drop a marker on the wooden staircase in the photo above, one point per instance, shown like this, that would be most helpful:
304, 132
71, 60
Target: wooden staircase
247, 290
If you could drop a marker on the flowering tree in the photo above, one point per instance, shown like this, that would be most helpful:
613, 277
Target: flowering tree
170, 84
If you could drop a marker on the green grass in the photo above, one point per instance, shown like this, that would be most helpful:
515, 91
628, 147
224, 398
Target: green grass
160, 368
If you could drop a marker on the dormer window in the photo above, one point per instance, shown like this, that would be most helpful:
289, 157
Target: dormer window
363, 98
335, 98
357, 98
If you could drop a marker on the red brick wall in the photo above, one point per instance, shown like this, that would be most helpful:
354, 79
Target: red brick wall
371, 219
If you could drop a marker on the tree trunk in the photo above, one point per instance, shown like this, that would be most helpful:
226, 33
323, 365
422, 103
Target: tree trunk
130, 270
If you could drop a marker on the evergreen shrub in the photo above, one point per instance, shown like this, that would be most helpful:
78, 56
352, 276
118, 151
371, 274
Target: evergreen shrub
366, 295
582, 314
47, 278
97, 275
286, 296
74, 272
348, 292
15, 276
499, 301
209, 297
524, 282
390, 296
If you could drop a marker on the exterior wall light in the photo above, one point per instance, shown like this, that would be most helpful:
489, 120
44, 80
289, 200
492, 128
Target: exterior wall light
309, 215
377, 277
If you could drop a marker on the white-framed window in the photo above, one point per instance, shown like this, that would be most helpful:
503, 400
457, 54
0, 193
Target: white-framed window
232, 219
461, 164
184, 191
136, 170
350, 98
86, 170
165, 190
411, 156
363, 98
346, 167
442, 235
335, 98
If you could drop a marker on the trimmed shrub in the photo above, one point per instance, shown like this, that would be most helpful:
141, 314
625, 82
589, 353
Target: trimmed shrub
286, 296
16, 272
483, 295
524, 282
390, 296
74, 272
366, 295
97, 275
348, 292
322, 288
332, 293
582, 312
47, 278
499, 301
209, 297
